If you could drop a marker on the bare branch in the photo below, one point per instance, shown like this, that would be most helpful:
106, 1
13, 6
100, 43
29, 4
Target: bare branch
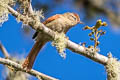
18, 67
87, 52
4, 51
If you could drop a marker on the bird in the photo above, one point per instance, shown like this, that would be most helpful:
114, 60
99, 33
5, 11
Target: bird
60, 23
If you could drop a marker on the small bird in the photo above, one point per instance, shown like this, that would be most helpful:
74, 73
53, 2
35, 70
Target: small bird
59, 23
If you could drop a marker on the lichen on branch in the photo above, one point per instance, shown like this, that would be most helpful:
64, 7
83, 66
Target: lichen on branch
60, 43
113, 68
3, 11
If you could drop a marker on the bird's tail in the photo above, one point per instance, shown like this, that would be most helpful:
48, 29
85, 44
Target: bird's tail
29, 61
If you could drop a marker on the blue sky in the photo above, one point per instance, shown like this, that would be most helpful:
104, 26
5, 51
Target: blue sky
74, 67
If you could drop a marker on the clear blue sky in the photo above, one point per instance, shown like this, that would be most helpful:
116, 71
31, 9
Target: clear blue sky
74, 67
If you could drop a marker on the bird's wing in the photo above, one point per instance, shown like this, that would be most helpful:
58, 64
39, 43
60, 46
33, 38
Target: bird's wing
47, 21
51, 18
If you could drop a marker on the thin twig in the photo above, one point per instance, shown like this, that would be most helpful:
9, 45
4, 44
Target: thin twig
18, 67
95, 42
4, 51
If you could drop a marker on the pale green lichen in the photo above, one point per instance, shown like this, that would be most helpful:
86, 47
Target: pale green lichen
113, 69
4, 11
14, 74
39, 14
60, 43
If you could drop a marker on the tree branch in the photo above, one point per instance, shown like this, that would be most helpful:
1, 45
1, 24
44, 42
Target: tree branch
90, 53
4, 51
18, 67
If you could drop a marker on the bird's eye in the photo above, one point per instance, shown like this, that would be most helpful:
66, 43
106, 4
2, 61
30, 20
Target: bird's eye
74, 17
